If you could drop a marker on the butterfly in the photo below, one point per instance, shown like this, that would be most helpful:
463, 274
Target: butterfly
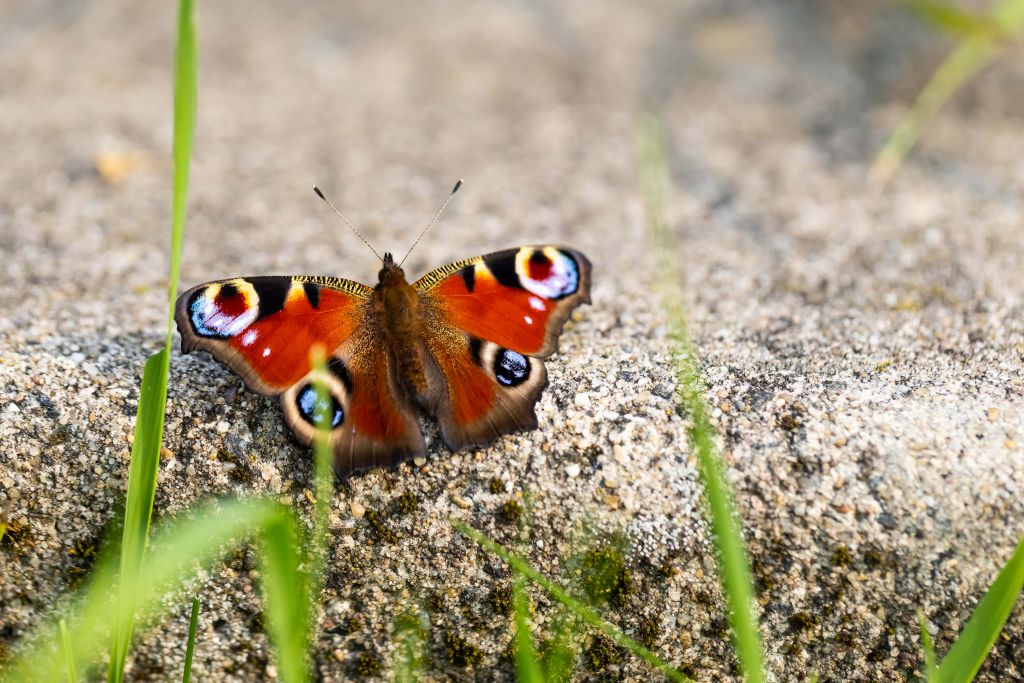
463, 343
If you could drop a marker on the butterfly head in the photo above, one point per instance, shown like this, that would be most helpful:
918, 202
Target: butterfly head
391, 272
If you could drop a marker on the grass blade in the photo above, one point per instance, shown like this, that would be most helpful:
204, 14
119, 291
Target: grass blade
185, 103
931, 672
527, 665
560, 653
285, 592
979, 635
179, 549
323, 475
581, 610
734, 568
190, 649
410, 632
956, 20
972, 55
69, 657
142, 473
145, 456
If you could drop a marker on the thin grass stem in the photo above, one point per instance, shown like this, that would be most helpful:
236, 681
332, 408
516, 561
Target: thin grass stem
69, 653
190, 648
734, 569
584, 612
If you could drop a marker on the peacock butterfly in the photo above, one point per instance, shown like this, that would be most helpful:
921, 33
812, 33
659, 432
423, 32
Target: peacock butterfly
463, 343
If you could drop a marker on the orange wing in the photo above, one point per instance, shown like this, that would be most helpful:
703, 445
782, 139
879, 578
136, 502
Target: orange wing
489, 321
517, 298
265, 327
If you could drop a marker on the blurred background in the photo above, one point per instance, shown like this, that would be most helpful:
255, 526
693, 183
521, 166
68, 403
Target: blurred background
773, 110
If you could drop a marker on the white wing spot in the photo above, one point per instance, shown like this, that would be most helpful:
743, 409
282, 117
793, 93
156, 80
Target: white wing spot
528, 319
537, 304
248, 338
266, 351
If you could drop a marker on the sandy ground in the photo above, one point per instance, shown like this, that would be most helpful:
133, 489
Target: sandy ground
862, 349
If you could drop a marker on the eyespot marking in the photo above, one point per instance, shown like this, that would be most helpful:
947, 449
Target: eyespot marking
510, 368
309, 404
221, 311
548, 272
540, 266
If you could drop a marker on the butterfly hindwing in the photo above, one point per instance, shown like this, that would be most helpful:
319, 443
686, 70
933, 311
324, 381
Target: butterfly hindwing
490, 321
479, 390
264, 328
372, 423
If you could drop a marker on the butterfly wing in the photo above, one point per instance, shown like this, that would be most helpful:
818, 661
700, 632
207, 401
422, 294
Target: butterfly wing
517, 298
490, 320
264, 328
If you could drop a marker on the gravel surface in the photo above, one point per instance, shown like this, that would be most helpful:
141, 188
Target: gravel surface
862, 348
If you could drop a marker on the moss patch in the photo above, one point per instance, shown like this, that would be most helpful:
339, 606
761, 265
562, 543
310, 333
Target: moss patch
406, 504
381, 530
460, 652
16, 537
841, 557
510, 511
604, 575
367, 664
500, 600
801, 621
601, 654
648, 632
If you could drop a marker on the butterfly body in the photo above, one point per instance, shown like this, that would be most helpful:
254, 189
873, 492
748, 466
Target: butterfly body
463, 344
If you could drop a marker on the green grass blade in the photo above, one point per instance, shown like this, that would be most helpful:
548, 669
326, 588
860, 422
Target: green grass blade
69, 657
409, 637
285, 590
560, 654
956, 20
153, 395
323, 478
979, 635
931, 671
581, 610
527, 665
967, 59
734, 568
185, 103
142, 472
177, 551
190, 649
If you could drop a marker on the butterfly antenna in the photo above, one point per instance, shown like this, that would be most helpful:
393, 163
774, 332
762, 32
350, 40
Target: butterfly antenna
345, 221
433, 220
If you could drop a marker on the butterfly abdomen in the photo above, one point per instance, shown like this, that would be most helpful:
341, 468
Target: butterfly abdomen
399, 311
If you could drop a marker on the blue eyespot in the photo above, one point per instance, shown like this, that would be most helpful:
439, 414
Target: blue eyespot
511, 368
311, 406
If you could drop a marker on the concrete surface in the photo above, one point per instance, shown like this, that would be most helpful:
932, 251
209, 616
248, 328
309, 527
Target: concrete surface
862, 349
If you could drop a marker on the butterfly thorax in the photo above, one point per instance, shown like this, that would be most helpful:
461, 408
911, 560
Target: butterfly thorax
397, 306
